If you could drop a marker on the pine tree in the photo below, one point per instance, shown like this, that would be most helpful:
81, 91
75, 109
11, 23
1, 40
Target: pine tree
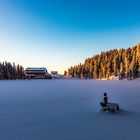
127, 62
1, 71
138, 58
65, 73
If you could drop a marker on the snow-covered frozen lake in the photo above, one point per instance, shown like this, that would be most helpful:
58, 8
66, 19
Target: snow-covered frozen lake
68, 110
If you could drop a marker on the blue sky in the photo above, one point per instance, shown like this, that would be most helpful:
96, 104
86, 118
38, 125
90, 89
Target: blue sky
59, 33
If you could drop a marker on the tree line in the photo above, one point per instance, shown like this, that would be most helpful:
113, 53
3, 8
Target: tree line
123, 63
11, 71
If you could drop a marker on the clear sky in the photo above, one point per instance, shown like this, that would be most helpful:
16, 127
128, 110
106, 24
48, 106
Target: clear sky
59, 33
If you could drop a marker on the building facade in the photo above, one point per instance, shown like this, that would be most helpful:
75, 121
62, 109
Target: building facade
37, 73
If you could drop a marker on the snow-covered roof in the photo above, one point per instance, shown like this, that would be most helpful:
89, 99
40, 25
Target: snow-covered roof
33, 69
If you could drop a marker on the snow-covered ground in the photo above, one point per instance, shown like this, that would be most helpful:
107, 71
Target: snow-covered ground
68, 110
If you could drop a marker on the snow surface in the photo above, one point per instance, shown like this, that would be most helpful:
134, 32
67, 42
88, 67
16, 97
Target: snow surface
68, 110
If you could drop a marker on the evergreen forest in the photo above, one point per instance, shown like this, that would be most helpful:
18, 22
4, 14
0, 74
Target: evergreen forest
122, 63
11, 71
